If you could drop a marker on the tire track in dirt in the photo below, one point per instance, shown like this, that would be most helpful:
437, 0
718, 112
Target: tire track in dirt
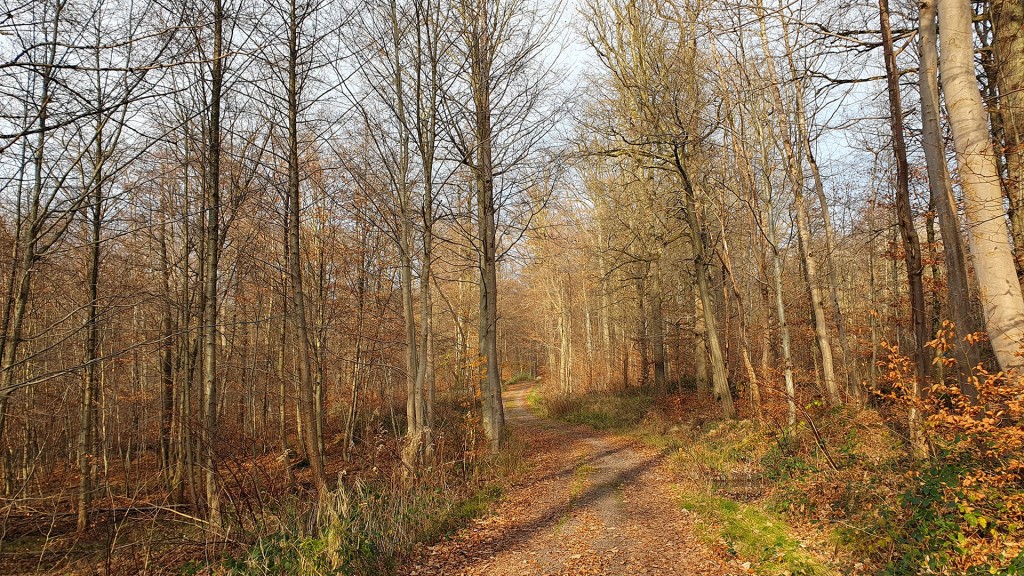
594, 503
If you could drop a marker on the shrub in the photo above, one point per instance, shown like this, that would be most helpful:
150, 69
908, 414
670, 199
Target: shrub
964, 510
362, 529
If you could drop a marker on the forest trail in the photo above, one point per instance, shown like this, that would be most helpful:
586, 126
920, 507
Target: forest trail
592, 503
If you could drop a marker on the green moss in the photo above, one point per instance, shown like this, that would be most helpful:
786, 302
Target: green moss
754, 535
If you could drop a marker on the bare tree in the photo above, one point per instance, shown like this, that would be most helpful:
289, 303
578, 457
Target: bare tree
303, 34
505, 82
905, 220
211, 270
796, 176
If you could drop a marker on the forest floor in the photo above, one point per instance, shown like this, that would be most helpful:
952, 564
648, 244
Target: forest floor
593, 503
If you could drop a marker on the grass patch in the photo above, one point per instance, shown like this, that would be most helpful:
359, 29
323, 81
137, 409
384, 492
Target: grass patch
754, 535
535, 402
461, 513
725, 450
369, 528
365, 529
604, 411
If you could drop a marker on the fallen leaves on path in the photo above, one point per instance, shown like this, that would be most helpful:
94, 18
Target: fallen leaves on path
593, 504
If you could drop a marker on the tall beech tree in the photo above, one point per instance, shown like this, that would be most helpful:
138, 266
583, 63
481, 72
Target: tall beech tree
958, 290
991, 252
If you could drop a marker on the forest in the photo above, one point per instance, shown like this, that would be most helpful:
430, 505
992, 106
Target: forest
511, 287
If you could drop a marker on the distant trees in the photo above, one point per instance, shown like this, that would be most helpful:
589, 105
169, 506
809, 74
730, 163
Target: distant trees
739, 110
77, 76
654, 114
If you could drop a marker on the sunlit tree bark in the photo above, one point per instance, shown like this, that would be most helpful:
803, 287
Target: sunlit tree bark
999, 289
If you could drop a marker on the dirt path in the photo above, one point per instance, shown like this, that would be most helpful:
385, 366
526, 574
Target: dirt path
594, 503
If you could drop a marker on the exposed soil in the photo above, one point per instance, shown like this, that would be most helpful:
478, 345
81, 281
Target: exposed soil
594, 503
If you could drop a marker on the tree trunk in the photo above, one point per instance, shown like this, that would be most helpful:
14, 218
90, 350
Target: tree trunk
1000, 291
908, 231
719, 379
853, 384
657, 328
780, 312
1008, 51
607, 346
90, 384
565, 339
357, 368
412, 452
958, 294
748, 365
700, 348
425, 373
307, 399
211, 272
481, 58
642, 329
166, 358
